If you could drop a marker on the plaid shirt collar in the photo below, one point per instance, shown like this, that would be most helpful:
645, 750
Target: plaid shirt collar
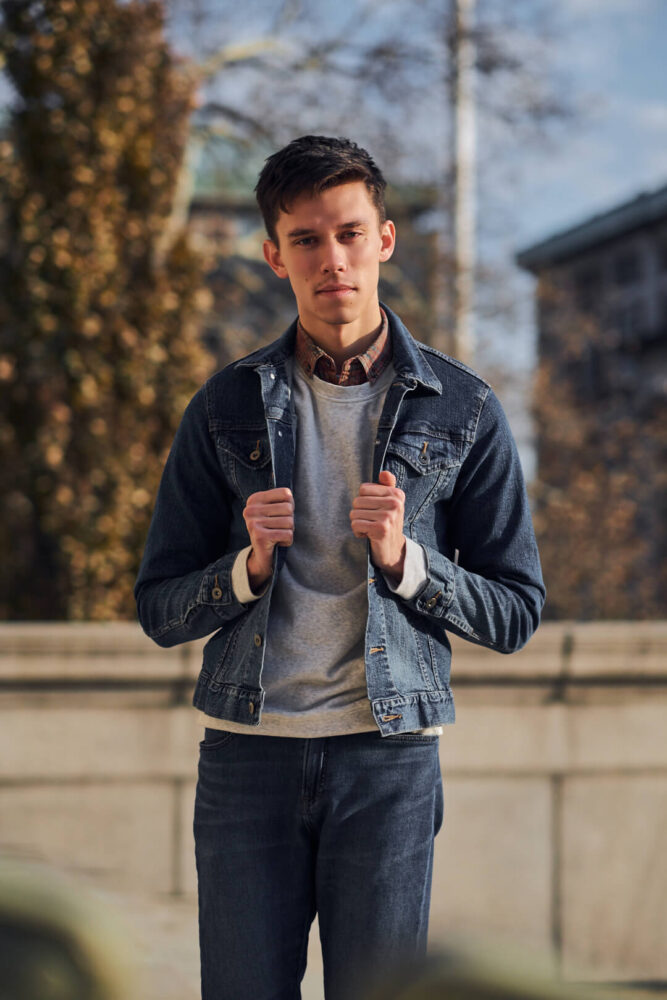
366, 367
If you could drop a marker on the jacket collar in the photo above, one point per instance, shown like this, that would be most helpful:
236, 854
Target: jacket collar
408, 360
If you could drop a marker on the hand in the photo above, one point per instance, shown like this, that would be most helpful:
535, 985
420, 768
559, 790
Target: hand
377, 514
269, 518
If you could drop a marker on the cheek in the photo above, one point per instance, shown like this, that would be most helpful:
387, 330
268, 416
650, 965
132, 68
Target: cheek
305, 273
369, 252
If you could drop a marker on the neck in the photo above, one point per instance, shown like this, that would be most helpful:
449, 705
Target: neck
345, 340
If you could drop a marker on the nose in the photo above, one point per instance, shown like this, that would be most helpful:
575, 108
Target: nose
333, 258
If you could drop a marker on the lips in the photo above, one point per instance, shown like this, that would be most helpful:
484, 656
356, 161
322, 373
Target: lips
335, 289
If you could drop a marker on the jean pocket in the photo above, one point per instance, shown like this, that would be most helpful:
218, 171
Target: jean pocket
214, 739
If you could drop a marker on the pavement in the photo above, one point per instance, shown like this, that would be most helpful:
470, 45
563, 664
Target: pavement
161, 935
162, 939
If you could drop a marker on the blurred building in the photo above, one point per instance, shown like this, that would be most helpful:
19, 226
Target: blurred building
610, 272
602, 349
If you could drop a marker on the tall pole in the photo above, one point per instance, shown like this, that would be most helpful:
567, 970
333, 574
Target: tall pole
464, 180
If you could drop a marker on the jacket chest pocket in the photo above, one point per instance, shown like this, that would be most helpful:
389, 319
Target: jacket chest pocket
245, 455
425, 466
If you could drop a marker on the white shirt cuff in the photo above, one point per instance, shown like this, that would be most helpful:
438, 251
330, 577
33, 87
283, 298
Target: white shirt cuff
240, 581
414, 572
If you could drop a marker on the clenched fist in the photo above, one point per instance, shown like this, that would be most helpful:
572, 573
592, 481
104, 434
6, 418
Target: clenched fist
377, 514
269, 518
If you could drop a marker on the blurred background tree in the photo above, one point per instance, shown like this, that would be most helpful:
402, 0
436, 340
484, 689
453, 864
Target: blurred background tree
600, 421
102, 296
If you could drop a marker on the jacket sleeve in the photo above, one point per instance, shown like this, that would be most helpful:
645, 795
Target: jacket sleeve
184, 588
493, 595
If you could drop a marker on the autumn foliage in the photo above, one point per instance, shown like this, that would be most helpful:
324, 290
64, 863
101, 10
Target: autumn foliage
101, 300
601, 490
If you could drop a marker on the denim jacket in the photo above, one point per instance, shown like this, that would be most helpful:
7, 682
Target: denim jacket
443, 434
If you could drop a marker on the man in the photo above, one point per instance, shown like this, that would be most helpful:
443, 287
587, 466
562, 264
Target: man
332, 506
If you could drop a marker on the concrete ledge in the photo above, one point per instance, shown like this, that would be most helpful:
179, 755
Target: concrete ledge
88, 651
542, 657
556, 739
625, 651
622, 651
618, 649
55, 743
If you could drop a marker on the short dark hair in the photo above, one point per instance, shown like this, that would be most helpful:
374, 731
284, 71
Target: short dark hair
309, 165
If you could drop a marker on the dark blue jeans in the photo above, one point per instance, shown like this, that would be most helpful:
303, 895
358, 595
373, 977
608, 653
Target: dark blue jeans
284, 828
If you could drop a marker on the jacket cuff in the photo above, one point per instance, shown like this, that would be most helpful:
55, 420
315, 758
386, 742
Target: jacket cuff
240, 581
415, 575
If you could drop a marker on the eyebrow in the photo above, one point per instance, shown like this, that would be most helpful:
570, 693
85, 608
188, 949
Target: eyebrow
355, 224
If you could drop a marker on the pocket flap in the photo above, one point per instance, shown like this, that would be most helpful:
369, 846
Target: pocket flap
250, 447
426, 452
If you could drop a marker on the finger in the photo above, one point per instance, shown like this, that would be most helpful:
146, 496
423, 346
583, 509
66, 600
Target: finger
360, 528
256, 510
370, 517
276, 495
387, 478
271, 524
377, 490
391, 502
267, 538
370, 529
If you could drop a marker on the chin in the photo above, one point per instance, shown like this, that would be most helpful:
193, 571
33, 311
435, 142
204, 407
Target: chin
345, 312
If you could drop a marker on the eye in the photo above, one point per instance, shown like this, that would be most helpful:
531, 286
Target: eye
305, 241
351, 234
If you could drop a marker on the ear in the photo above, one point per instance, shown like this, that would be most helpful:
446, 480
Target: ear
388, 237
273, 258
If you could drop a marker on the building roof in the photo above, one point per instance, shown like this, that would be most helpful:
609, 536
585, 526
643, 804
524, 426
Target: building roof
647, 208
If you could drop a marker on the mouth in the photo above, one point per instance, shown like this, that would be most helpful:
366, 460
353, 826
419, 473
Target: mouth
335, 291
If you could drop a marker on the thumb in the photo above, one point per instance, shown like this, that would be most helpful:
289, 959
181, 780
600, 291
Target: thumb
387, 478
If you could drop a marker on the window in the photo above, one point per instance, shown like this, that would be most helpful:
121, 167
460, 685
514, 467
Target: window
629, 321
627, 268
588, 288
662, 255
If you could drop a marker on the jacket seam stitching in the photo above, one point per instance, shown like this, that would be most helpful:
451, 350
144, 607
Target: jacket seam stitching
427, 349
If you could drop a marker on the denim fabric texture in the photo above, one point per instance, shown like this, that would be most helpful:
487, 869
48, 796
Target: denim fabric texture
341, 824
444, 435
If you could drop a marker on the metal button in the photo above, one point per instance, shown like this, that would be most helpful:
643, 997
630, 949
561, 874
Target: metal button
432, 603
216, 593
251, 707
258, 639
273, 376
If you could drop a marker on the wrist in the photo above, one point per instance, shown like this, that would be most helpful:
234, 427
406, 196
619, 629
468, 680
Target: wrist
258, 573
395, 569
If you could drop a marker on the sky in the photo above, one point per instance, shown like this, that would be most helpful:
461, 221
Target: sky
615, 58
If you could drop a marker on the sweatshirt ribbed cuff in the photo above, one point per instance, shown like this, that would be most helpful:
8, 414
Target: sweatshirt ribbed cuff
240, 581
414, 572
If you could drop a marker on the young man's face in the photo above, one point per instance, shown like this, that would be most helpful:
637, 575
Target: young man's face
330, 247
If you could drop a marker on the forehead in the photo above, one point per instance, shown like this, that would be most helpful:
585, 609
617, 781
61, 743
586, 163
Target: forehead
350, 202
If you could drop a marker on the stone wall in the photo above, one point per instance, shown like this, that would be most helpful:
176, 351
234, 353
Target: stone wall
555, 779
